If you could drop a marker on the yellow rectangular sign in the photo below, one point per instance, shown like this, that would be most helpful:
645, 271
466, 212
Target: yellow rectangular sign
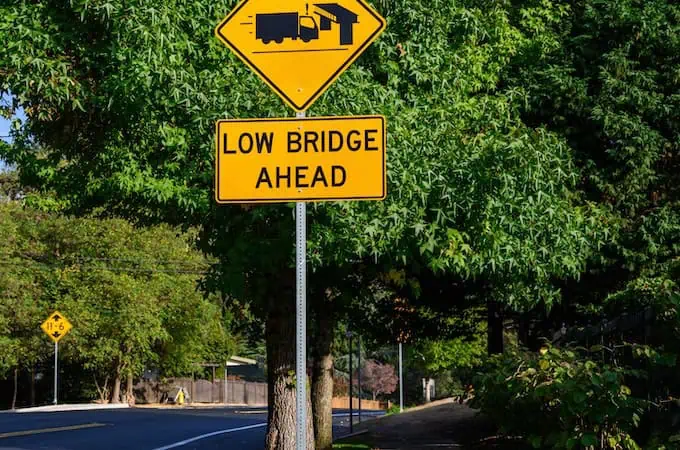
310, 159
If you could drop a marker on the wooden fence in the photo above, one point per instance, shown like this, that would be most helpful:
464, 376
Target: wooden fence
343, 403
238, 392
203, 391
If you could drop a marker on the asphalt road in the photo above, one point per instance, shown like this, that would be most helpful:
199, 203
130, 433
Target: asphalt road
143, 429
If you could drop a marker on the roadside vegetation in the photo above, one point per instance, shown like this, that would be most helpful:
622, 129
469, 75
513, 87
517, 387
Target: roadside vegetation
351, 446
132, 294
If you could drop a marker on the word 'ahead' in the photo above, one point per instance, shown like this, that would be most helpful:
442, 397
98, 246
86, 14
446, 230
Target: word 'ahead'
311, 159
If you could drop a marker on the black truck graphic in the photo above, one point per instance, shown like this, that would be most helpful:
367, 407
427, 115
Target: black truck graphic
278, 26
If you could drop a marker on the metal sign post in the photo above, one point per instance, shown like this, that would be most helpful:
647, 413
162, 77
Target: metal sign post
401, 381
301, 323
56, 327
351, 394
359, 376
56, 371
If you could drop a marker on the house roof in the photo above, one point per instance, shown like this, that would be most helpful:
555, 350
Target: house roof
240, 361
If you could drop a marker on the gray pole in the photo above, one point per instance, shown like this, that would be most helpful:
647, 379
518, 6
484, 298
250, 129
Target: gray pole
301, 324
56, 371
359, 378
351, 410
226, 398
401, 380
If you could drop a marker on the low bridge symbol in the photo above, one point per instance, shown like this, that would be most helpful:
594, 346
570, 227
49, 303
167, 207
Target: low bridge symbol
332, 12
278, 26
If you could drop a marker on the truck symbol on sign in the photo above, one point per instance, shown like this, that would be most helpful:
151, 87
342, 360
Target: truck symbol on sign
278, 26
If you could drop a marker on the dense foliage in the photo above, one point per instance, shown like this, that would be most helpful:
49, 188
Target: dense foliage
472, 189
131, 294
560, 399
604, 76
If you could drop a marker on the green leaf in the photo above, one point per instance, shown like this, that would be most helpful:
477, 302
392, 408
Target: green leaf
579, 396
589, 439
536, 441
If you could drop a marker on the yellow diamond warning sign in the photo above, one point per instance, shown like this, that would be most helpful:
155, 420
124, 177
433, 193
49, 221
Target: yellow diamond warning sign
312, 159
299, 47
56, 326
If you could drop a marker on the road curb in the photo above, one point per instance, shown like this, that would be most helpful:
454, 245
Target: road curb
193, 406
77, 407
351, 435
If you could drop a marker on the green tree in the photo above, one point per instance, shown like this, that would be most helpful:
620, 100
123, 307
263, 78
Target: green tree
21, 301
131, 293
603, 76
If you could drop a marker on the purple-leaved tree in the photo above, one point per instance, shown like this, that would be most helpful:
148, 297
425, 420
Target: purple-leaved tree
379, 378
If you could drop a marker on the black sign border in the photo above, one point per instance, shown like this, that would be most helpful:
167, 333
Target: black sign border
326, 84
306, 199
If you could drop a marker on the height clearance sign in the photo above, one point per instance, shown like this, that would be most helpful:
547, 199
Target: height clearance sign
312, 159
299, 47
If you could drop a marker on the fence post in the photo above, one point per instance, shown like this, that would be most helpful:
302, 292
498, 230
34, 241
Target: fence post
224, 388
191, 400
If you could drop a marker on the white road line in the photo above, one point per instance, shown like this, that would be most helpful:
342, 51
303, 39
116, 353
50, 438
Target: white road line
50, 430
230, 430
208, 435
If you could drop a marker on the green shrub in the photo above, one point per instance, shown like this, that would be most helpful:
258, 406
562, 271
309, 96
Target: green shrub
560, 399
394, 409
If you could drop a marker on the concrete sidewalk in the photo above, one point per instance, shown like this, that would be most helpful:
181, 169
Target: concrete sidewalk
443, 425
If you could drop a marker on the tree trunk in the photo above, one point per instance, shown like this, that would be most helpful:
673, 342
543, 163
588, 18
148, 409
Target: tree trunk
129, 390
495, 327
115, 394
280, 337
426, 390
103, 391
16, 386
322, 377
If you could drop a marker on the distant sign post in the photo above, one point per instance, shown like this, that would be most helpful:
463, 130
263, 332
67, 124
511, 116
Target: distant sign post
56, 327
299, 48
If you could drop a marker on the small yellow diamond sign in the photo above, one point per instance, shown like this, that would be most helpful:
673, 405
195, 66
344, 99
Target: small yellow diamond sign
56, 326
299, 47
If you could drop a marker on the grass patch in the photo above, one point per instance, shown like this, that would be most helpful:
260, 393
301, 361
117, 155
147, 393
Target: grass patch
394, 409
354, 446
354, 443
